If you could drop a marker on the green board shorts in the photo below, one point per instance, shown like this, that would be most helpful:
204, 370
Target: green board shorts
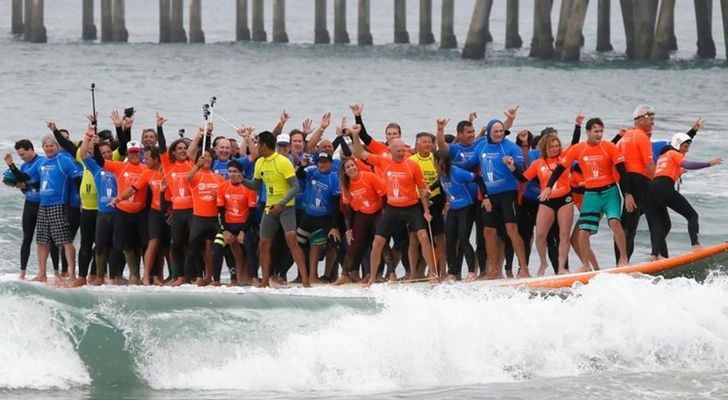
607, 201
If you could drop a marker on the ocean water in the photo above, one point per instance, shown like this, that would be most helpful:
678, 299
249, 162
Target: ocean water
618, 337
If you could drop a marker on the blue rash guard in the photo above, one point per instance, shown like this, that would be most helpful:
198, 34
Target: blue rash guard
496, 175
657, 147
74, 192
460, 155
456, 187
32, 194
532, 188
54, 174
319, 192
106, 185
220, 168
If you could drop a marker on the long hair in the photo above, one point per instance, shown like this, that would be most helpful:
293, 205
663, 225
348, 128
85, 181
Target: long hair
173, 148
344, 178
443, 158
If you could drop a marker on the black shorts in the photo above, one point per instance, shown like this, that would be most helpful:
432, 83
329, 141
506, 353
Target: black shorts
157, 226
504, 209
314, 230
438, 220
394, 217
558, 202
236, 228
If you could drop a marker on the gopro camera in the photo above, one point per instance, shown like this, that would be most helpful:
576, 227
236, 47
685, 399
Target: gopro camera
129, 112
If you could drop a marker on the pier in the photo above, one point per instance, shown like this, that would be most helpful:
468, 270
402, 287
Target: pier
649, 25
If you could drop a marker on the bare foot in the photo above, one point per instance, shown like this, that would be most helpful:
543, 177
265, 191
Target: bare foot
563, 271
432, 278
470, 277
314, 280
39, 278
451, 278
78, 282
509, 274
203, 281
21, 276
134, 281
96, 282
216, 283
244, 282
622, 263
177, 282
584, 268
523, 272
355, 276
697, 247
392, 278
541, 270
307, 282
64, 275
343, 279
274, 283
90, 280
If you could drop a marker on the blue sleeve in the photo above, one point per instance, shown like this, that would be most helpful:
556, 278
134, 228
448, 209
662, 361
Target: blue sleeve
462, 176
516, 153
335, 185
69, 167
90, 163
473, 161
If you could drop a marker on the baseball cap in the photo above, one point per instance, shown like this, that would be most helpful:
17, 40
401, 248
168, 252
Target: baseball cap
323, 157
133, 145
284, 139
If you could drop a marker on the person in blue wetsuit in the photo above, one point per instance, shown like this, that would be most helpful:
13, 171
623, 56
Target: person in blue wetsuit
322, 193
54, 175
500, 201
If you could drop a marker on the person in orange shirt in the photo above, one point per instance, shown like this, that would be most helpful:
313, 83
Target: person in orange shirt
362, 193
559, 206
234, 203
130, 229
662, 191
597, 160
407, 201
203, 228
176, 167
636, 149
157, 229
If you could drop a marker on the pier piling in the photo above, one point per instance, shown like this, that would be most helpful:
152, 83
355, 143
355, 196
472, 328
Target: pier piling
37, 29
604, 10
572, 42
177, 32
196, 33
661, 44
400, 22
259, 34
242, 32
563, 27
426, 36
279, 21
447, 22
16, 25
542, 44
165, 9
513, 38
627, 7
107, 22
340, 33
364, 25
704, 22
321, 31
27, 11
88, 31
475, 42
644, 29
119, 33
724, 9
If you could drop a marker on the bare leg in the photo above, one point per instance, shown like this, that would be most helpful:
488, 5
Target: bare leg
491, 249
71, 258
43, 251
264, 250
440, 246
424, 240
374, 258
413, 252
586, 249
566, 217
150, 258
621, 240
519, 248
298, 257
544, 220
313, 261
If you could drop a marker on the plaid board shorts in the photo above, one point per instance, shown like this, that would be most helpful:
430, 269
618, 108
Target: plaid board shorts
53, 225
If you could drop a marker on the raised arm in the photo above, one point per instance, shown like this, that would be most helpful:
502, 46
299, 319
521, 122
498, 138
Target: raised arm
576, 136
195, 168
281, 123
511, 114
359, 151
66, 144
441, 142
698, 125
357, 110
161, 140
318, 133
195, 144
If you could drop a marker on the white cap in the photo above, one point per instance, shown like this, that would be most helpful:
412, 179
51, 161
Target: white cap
283, 139
642, 111
678, 139
133, 145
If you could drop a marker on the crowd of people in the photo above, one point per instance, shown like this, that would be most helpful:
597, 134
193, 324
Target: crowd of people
262, 202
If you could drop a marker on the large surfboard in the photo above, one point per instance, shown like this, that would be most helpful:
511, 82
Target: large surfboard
695, 265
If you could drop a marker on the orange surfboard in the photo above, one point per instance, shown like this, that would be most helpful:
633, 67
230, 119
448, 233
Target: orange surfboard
694, 264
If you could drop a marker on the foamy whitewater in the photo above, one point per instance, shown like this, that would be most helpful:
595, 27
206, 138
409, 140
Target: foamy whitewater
331, 341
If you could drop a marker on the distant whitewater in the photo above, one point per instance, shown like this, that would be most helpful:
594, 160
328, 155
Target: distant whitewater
356, 341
